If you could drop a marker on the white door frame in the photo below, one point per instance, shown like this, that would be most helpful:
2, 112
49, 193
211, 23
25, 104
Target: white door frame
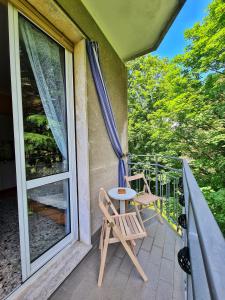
22, 185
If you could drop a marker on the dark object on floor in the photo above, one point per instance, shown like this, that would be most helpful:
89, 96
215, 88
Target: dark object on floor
182, 200
180, 185
184, 260
182, 221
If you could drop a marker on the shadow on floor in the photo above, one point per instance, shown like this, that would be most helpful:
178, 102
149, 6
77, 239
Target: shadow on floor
157, 254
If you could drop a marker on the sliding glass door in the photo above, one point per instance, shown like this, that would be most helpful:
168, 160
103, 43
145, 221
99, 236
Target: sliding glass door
42, 81
10, 265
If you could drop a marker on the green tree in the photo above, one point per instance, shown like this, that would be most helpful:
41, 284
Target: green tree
177, 107
206, 49
204, 58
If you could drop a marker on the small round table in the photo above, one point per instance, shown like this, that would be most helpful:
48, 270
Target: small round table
130, 194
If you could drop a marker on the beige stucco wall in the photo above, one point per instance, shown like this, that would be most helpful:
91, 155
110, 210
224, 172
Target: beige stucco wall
103, 162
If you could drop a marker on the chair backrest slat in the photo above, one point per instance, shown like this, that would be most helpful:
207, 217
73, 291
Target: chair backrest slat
105, 203
135, 177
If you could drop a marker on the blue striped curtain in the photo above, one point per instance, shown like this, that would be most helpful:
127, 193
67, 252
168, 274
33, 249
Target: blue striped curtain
106, 108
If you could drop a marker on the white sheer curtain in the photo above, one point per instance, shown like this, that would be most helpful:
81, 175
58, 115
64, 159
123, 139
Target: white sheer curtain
44, 57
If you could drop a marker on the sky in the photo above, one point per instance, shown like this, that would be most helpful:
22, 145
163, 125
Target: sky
173, 43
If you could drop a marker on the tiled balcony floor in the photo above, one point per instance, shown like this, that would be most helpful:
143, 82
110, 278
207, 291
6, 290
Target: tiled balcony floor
157, 254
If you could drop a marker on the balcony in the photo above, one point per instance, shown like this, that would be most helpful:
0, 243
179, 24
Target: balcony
172, 179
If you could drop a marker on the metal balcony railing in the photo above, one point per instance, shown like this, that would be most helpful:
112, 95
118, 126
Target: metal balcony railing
206, 244
172, 179
163, 174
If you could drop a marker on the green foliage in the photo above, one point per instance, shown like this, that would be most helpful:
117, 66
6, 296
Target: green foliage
36, 141
216, 204
38, 120
38, 136
177, 107
206, 51
41, 151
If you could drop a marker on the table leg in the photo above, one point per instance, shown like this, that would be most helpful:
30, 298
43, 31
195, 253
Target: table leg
127, 207
122, 207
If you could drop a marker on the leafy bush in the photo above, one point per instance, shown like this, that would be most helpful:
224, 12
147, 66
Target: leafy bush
216, 201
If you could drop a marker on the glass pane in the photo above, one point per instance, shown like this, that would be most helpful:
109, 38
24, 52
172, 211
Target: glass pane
48, 216
10, 264
44, 102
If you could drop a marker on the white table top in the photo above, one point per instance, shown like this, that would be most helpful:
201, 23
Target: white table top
130, 194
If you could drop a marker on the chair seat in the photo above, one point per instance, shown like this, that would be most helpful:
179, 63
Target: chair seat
146, 198
129, 226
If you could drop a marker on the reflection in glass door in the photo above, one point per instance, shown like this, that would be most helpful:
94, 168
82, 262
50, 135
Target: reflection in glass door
47, 142
42, 66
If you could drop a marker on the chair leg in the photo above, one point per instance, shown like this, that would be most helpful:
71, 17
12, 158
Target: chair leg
103, 256
160, 219
139, 217
158, 214
132, 256
101, 237
132, 246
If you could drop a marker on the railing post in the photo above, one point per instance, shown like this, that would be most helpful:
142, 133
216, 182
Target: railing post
128, 165
156, 176
157, 183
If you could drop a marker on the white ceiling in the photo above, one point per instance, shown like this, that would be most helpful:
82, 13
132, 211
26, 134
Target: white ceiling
133, 27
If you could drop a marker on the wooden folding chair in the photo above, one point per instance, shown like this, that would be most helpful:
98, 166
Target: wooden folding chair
145, 198
116, 228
